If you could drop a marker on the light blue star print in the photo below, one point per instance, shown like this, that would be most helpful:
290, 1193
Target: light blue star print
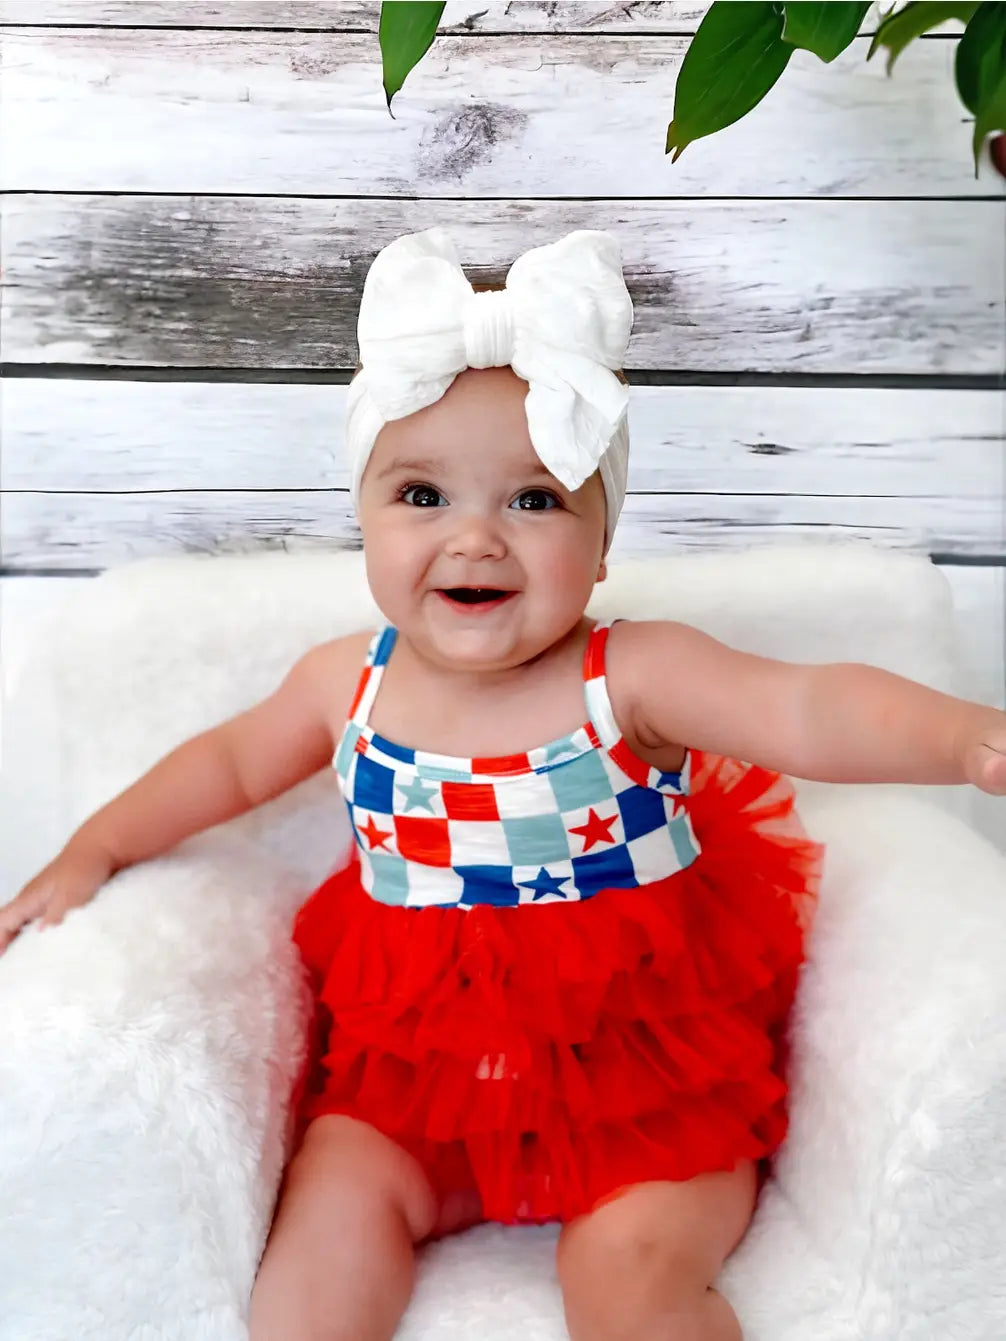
417, 793
543, 884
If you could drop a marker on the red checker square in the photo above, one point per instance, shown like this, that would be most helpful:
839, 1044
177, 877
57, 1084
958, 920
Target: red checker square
470, 800
506, 763
424, 840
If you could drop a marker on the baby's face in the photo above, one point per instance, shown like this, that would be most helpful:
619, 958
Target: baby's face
455, 506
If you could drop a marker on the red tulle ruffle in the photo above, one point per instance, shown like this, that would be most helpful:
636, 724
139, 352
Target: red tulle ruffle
552, 1053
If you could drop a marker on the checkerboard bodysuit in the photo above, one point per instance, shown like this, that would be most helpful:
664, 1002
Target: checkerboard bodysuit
554, 974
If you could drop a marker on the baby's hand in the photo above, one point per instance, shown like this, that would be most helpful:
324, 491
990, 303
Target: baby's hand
68, 882
985, 758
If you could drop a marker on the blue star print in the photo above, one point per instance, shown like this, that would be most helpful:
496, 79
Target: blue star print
543, 884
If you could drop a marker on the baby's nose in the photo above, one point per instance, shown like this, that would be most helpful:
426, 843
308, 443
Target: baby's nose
477, 536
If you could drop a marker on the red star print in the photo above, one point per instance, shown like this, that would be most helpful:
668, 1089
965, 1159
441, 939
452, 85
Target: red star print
596, 830
375, 835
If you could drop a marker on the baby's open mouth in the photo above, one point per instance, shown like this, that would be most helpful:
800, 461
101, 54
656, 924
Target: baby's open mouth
475, 595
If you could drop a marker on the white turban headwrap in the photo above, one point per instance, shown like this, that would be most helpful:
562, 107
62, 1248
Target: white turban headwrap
562, 323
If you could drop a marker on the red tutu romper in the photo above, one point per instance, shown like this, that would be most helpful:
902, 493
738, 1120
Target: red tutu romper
554, 974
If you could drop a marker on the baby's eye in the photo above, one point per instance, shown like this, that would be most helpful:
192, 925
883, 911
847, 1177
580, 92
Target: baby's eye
536, 500
423, 495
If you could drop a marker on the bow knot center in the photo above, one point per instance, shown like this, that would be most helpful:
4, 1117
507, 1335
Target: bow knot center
489, 331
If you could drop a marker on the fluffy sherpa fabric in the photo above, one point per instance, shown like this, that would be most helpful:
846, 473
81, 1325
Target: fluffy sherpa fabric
150, 1042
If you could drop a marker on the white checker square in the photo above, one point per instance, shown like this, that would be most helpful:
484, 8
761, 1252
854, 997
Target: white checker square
653, 856
377, 831
533, 795
478, 843
429, 885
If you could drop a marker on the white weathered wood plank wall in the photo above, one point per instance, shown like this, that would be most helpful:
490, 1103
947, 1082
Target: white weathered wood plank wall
193, 192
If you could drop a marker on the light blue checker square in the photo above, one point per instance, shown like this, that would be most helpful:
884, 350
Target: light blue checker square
681, 837
536, 840
347, 748
391, 878
439, 772
581, 782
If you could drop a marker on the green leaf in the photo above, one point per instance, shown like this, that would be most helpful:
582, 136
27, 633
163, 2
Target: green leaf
824, 29
897, 30
980, 72
406, 33
735, 57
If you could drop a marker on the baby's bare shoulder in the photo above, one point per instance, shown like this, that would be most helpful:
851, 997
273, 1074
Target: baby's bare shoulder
640, 658
331, 671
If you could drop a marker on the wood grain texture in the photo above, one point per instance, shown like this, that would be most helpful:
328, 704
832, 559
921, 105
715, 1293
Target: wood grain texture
66, 531
516, 115
780, 287
97, 472
127, 437
362, 15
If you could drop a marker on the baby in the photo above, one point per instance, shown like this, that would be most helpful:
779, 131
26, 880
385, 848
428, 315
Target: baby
552, 982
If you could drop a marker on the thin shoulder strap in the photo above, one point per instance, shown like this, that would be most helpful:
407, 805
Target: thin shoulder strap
603, 719
595, 684
370, 677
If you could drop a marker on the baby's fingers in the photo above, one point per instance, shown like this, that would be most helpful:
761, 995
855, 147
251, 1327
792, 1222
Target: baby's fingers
992, 770
31, 902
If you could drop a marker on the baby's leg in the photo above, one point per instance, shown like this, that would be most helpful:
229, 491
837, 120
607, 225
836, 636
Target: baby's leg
641, 1267
339, 1265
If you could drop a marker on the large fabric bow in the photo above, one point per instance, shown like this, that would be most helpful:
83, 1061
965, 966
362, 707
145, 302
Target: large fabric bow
562, 323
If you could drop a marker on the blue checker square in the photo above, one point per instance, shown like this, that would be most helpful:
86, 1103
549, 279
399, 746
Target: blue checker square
580, 783
611, 869
395, 751
488, 884
391, 877
536, 840
643, 810
373, 786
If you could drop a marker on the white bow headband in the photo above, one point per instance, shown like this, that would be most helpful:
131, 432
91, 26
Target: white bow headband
562, 323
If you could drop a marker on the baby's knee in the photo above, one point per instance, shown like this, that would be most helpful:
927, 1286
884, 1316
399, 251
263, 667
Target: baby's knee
644, 1262
364, 1165
658, 1246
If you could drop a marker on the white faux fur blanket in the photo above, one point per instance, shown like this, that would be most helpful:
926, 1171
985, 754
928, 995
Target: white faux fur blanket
149, 1043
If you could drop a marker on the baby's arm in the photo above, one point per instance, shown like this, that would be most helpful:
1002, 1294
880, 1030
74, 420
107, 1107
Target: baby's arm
842, 722
212, 777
